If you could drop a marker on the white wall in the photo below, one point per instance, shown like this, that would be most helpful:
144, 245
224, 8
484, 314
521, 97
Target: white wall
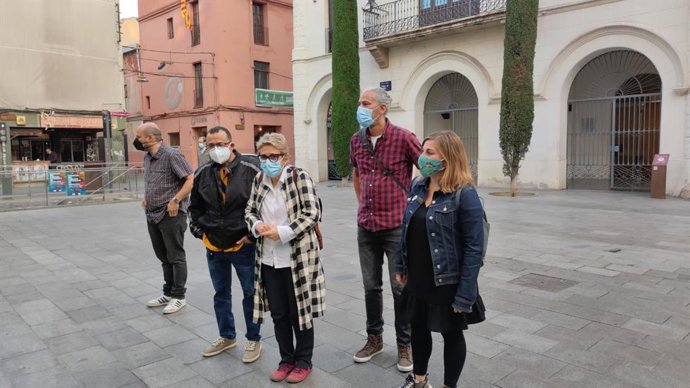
567, 39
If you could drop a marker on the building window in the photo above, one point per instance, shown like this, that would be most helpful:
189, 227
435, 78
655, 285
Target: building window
174, 139
148, 102
196, 29
171, 29
198, 86
260, 75
126, 92
260, 30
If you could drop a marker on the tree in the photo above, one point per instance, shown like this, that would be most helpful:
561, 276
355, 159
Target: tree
345, 67
517, 94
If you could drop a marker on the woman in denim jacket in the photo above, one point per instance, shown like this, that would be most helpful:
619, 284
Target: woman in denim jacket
441, 255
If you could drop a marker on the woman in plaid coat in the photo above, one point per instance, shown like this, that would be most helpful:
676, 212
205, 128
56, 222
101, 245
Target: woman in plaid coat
282, 212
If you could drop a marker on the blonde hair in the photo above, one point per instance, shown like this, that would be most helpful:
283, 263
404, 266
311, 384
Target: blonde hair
277, 140
457, 173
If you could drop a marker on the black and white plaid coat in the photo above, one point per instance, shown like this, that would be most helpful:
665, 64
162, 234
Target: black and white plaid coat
307, 272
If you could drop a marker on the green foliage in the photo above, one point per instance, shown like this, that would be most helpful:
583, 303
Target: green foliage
517, 94
345, 68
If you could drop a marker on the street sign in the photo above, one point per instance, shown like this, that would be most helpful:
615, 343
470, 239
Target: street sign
386, 85
266, 97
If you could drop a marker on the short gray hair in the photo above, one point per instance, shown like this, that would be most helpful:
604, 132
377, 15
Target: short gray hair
150, 128
382, 96
277, 140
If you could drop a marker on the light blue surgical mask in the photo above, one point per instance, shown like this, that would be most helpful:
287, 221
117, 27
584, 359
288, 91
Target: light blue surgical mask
364, 117
271, 169
428, 166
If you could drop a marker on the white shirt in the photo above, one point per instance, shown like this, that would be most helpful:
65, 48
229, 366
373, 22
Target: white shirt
273, 211
374, 139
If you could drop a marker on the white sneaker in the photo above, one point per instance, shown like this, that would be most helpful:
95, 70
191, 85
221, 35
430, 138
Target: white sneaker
174, 306
160, 301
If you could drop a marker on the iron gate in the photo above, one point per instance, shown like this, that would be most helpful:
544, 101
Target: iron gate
612, 141
452, 105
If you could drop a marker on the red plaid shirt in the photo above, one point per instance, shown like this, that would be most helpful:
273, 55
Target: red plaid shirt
382, 202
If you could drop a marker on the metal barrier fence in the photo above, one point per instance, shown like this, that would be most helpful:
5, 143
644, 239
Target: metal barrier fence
57, 187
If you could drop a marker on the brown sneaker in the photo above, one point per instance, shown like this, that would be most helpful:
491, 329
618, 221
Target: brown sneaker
219, 345
410, 382
404, 358
252, 351
373, 347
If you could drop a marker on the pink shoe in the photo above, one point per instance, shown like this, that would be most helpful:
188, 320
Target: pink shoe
282, 372
298, 375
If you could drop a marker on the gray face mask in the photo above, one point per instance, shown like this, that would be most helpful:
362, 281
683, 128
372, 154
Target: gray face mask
219, 155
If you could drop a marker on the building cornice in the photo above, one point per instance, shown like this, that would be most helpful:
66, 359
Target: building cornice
160, 11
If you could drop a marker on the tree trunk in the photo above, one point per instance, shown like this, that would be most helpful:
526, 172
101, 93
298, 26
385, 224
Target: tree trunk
513, 183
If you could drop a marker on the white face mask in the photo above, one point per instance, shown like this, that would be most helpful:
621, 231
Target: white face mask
219, 155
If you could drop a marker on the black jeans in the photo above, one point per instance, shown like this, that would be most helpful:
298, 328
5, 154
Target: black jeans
167, 238
454, 353
372, 246
281, 301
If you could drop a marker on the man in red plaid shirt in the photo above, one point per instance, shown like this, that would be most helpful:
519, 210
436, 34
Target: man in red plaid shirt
381, 183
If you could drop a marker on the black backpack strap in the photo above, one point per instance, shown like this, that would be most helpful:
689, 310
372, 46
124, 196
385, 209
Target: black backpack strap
370, 149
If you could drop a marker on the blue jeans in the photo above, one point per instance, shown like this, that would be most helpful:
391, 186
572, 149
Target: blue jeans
220, 267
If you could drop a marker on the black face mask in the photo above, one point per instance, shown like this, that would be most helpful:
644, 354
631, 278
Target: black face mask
138, 145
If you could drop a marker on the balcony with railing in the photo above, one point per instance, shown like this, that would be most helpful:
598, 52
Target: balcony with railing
408, 16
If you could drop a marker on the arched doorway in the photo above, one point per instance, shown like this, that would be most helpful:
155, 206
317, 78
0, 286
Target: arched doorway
332, 171
452, 105
614, 116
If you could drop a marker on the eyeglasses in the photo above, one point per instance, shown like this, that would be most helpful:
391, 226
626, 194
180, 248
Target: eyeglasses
214, 145
271, 157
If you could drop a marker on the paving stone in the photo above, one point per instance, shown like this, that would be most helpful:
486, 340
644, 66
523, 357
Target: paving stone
596, 330
525, 341
521, 379
655, 329
140, 355
88, 314
517, 323
197, 382
70, 342
169, 335
13, 347
190, 351
536, 364
148, 322
220, 368
86, 359
53, 377
28, 363
629, 352
579, 377
122, 338
164, 373
591, 360
484, 346
107, 377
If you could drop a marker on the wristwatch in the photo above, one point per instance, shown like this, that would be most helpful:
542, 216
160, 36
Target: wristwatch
177, 201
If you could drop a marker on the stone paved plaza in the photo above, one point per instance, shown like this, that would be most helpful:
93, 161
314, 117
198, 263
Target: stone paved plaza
584, 289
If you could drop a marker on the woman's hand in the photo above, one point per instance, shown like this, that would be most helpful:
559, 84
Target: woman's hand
401, 278
269, 230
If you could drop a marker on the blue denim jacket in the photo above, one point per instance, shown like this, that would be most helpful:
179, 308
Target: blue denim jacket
456, 239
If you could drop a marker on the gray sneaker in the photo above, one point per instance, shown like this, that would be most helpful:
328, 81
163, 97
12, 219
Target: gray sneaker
218, 346
252, 351
405, 358
411, 383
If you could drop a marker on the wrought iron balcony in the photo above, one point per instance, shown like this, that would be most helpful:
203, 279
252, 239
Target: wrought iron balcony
408, 15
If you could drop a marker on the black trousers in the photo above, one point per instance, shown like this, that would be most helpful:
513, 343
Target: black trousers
281, 301
454, 353
167, 238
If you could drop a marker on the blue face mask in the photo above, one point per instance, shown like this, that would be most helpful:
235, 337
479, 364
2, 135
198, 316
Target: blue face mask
364, 117
271, 169
429, 166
